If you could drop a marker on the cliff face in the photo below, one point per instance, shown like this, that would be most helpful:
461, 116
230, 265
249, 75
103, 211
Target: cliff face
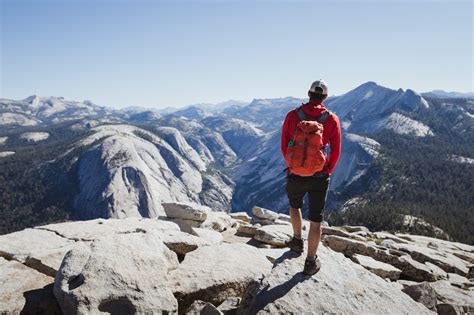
195, 260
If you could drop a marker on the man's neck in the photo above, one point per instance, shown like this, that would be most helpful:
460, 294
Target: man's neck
315, 102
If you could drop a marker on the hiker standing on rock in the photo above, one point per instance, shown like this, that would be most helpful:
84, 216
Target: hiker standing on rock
307, 130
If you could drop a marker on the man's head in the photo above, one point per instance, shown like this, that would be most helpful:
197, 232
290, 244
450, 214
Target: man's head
318, 91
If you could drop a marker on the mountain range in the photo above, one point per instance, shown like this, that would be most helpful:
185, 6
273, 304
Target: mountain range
403, 154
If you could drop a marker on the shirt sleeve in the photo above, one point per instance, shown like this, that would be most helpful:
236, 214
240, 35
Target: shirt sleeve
285, 134
335, 145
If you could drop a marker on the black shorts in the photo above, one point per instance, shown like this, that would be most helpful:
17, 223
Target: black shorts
315, 186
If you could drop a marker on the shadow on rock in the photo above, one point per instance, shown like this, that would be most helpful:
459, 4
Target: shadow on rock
265, 296
286, 255
41, 301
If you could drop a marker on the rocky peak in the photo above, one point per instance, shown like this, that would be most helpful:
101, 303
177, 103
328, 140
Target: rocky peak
195, 260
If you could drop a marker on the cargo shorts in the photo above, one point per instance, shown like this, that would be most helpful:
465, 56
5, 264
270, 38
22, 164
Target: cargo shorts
315, 186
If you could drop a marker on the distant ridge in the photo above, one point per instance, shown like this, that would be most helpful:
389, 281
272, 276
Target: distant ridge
444, 94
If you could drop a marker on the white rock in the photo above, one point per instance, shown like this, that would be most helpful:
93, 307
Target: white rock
211, 237
329, 230
249, 229
286, 290
459, 281
450, 297
275, 235
186, 211
452, 247
215, 273
379, 268
169, 232
352, 229
184, 225
39, 249
180, 242
386, 235
260, 221
240, 216
25, 290
404, 262
284, 217
122, 272
282, 222
219, 221
263, 213
93, 229
446, 261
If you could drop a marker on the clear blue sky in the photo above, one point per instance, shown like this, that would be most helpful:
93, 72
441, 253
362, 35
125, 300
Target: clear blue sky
173, 53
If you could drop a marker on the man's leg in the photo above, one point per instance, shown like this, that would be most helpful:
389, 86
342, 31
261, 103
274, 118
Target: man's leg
296, 192
296, 221
313, 238
317, 200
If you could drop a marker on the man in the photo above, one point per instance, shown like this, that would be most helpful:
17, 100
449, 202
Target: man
317, 184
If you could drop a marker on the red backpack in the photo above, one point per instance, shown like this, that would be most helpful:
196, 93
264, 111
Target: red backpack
305, 154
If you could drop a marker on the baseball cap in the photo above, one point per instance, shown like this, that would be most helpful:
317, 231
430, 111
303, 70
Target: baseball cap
319, 84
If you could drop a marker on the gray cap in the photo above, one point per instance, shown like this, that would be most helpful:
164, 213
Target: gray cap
319, 84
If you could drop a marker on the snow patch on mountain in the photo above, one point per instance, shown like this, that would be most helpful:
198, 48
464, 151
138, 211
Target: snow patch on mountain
403, 125
6, 153
365, 109
369, 145
86, 124
34, 136
444, 94
36, 110
461, 159
17, 119
145, 117
193, 112
260, 110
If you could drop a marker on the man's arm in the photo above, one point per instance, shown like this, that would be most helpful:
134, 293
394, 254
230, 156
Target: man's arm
335, 144
285, 134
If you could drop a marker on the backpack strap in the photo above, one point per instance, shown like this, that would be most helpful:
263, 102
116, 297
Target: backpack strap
323, 116
321, 119
301, 114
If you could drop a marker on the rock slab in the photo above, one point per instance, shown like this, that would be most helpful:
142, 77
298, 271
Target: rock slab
25, 290
123, 273
379, 268
422, 293
216, 273
340, 287
186, 211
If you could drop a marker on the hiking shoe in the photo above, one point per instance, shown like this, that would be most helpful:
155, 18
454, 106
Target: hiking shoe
295, 244
311, 267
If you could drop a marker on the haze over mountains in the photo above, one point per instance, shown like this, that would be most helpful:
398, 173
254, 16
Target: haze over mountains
63, 160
